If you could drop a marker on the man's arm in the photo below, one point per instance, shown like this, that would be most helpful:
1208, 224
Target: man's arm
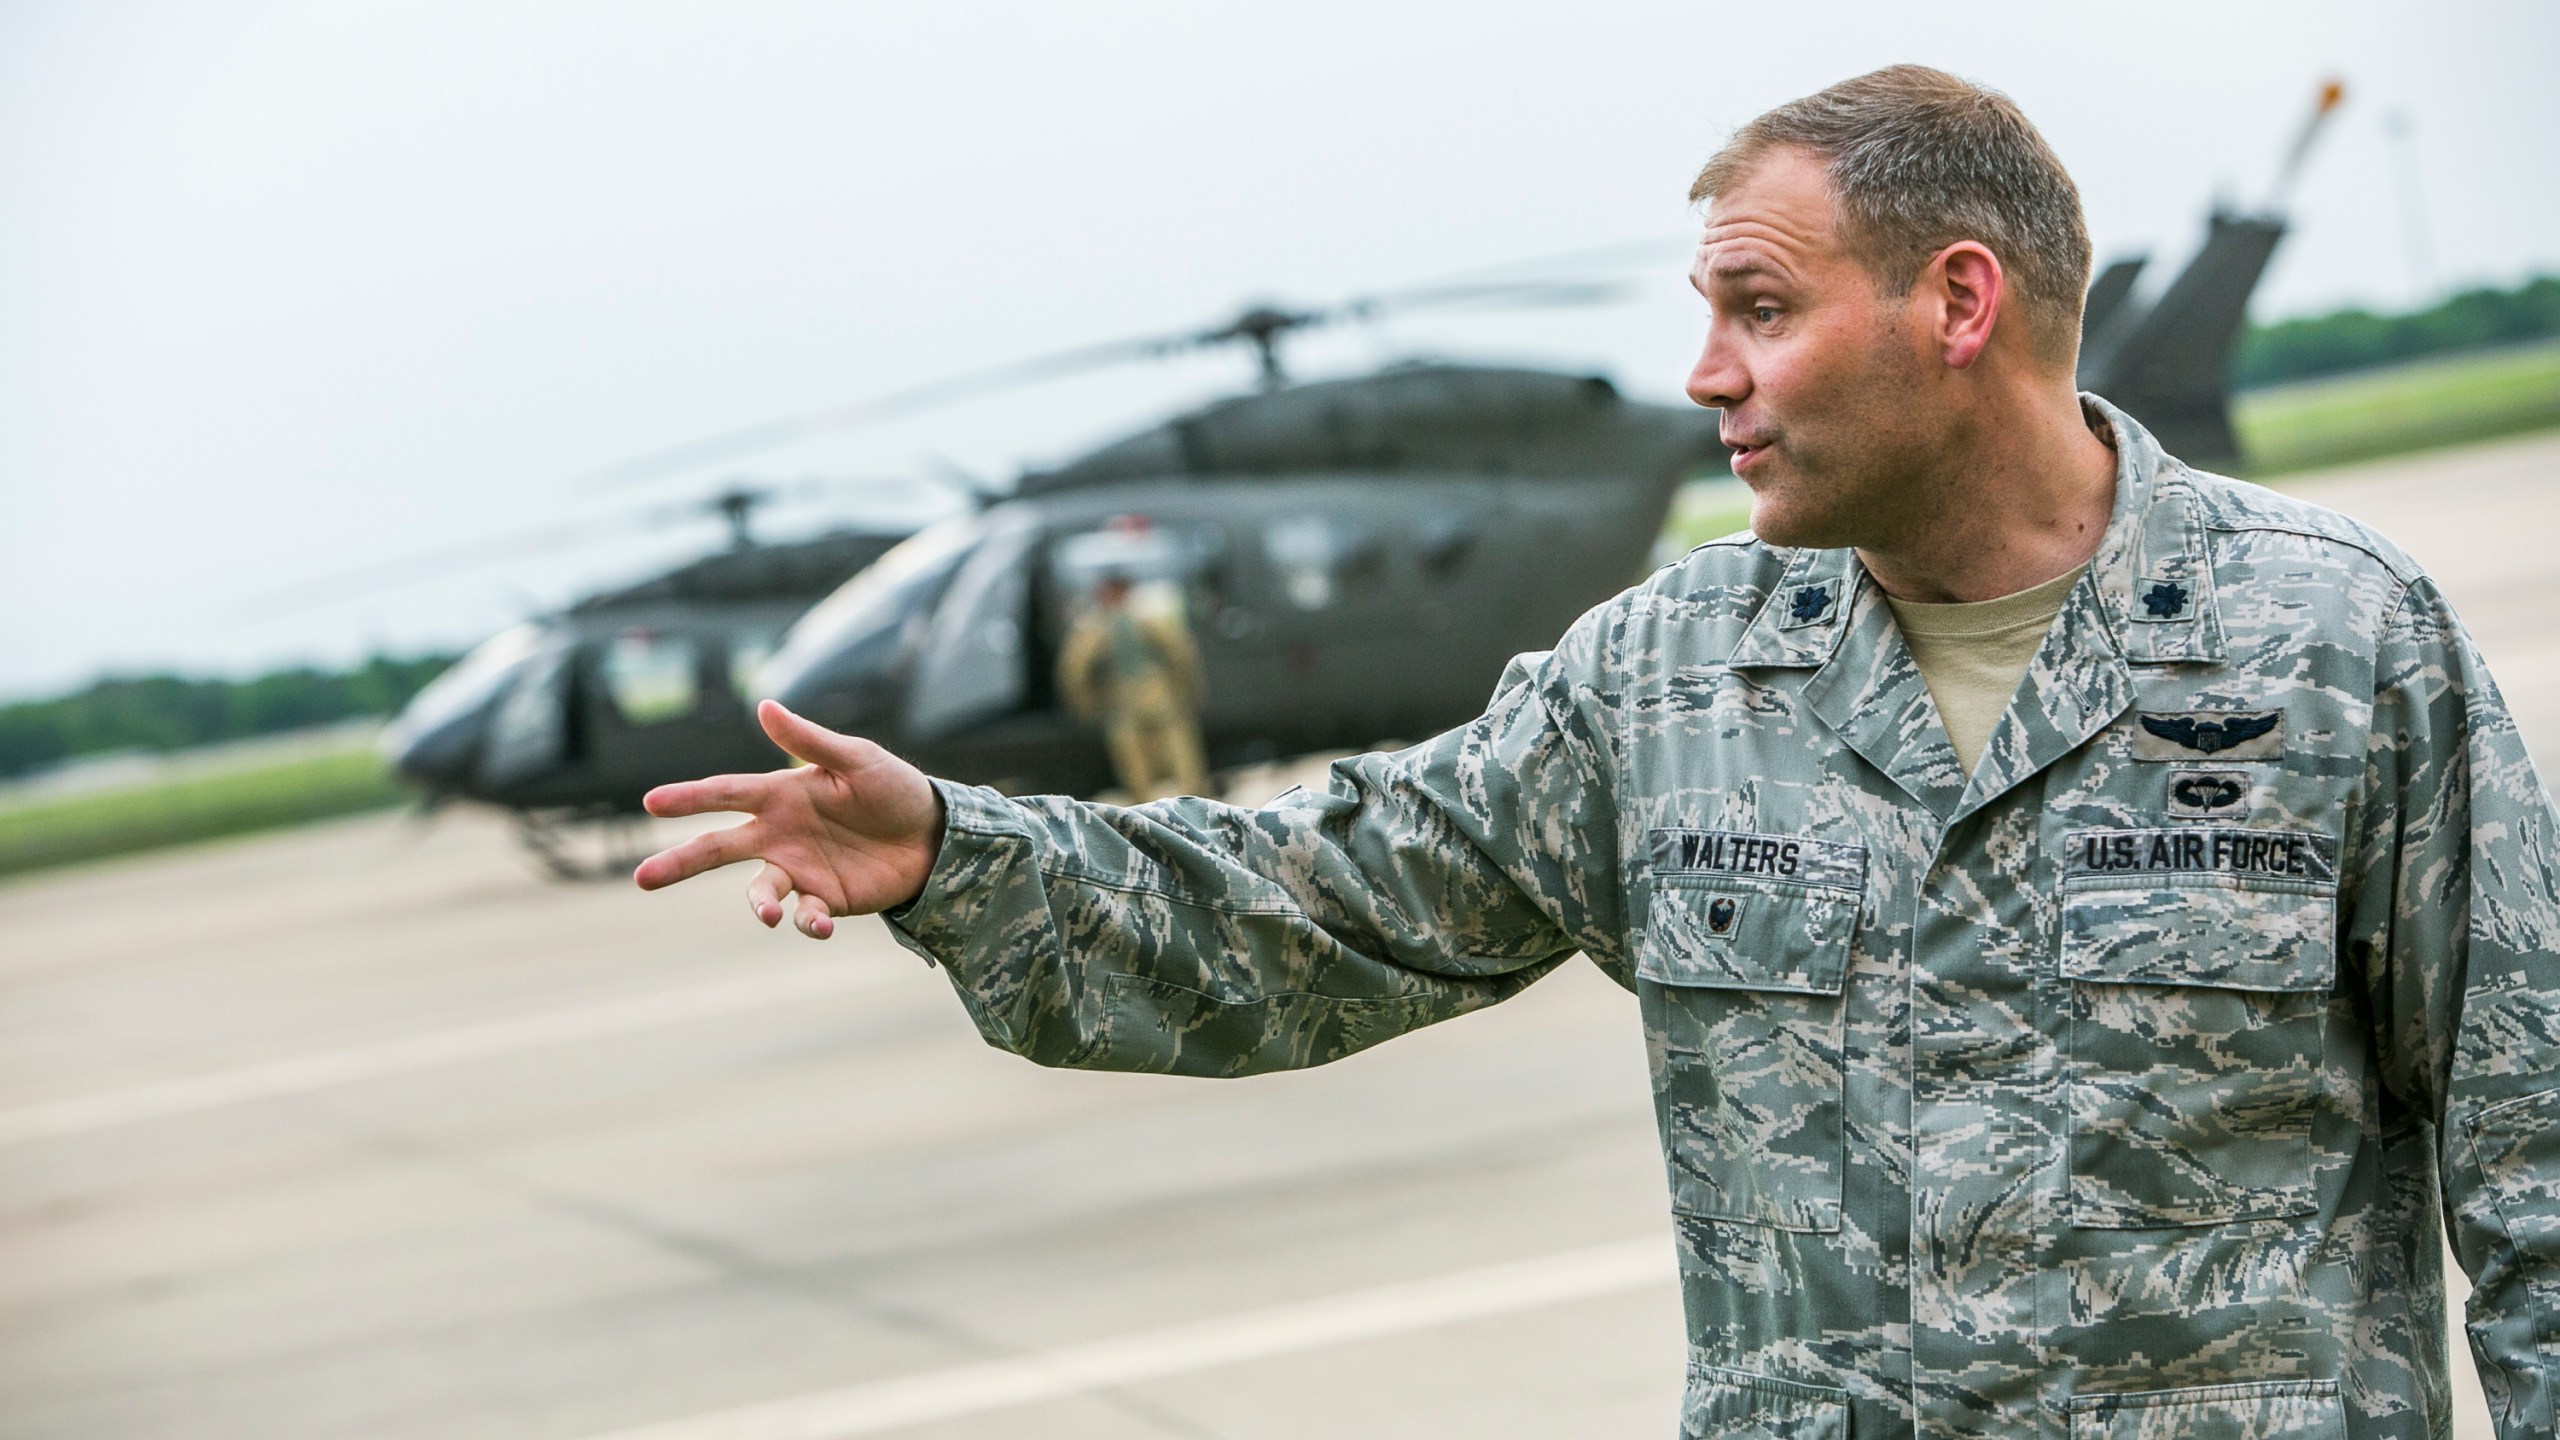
2457, 926
1208, 939
1205, 939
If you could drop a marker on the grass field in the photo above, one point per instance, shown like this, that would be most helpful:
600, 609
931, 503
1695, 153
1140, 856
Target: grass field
67, 829
1703, 510
2418, 406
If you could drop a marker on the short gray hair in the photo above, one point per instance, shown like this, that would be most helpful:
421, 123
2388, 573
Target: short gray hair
1919, 160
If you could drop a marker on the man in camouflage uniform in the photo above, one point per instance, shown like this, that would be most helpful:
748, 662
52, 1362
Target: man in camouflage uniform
1138, 673
2117, 1087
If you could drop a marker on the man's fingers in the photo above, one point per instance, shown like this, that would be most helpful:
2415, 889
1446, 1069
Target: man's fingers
815, 743
702, 852
813, 917
744, 794
765, 892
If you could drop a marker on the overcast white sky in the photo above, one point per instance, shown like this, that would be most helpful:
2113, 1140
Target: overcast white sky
286, 289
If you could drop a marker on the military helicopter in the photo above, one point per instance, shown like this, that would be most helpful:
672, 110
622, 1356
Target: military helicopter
572, 718
1357, 558
567, 719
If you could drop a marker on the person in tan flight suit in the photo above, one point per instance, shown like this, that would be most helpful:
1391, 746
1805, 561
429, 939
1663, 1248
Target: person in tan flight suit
1138, 673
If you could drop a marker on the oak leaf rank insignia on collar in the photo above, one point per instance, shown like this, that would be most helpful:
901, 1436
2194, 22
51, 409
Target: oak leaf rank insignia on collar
1808, 604
2165, 600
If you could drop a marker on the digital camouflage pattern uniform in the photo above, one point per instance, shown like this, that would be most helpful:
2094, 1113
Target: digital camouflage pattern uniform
2111, 1094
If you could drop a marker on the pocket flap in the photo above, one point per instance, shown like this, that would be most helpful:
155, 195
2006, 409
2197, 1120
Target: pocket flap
1727, 1404
1726, 934
2517, 1146
2229, 937
2268, 1410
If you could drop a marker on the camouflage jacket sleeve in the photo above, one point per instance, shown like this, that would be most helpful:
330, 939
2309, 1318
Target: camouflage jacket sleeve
1206, 939
2457, 928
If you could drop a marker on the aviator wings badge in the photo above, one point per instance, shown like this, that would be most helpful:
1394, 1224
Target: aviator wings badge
2225, 735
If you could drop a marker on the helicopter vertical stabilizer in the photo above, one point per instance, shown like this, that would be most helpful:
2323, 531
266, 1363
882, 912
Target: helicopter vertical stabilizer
2107, 295
2169, 363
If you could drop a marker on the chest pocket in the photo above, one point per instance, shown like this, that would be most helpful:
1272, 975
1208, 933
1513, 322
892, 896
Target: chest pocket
1742, 980
2198, 1007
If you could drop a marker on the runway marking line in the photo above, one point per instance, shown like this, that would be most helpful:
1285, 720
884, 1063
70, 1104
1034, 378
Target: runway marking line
960, 1390
82, 1113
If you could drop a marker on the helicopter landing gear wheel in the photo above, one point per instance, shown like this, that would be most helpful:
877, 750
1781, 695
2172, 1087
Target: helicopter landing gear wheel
578, 845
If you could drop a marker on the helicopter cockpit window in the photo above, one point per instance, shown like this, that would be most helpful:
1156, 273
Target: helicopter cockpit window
1163, 557
1322, 560
470, 684
866, 623
747, 654
652, 677
1177, 569
1442, 540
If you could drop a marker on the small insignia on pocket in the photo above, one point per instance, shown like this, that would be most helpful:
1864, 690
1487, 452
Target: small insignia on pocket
1720, 916
2222, 734
2164, 600
2206, 792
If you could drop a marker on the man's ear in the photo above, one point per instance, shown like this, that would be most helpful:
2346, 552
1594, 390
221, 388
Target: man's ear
1965, 286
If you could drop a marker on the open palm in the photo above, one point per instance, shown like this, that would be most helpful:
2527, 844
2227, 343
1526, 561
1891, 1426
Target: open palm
853, 831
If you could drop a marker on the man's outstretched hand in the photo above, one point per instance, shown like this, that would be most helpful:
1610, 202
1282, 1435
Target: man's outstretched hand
853, 831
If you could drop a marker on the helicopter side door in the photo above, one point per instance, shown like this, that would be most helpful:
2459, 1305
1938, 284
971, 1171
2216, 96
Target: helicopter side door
1336, 590
659, 706
1375, 603
1175, 559
1474, 568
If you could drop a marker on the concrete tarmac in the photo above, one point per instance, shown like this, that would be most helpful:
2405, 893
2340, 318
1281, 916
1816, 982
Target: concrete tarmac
364, 1130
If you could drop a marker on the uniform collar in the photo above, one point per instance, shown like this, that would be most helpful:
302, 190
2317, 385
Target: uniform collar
2148, 599
2155, 577
1803, 618
2152, 577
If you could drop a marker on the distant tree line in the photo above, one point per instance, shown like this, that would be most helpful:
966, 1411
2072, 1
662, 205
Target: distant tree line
2356, 339
172, 712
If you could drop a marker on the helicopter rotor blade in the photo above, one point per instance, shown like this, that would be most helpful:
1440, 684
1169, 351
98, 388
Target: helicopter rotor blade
959, 479
462, 556
1257, 324
436, 562
878, 409
1506, 295
1615, 255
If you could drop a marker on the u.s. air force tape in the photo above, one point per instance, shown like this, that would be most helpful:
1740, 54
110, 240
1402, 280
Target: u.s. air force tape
2311, 859
1795, 858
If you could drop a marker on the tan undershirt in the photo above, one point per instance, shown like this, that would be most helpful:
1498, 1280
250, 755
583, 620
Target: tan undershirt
1972, 656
